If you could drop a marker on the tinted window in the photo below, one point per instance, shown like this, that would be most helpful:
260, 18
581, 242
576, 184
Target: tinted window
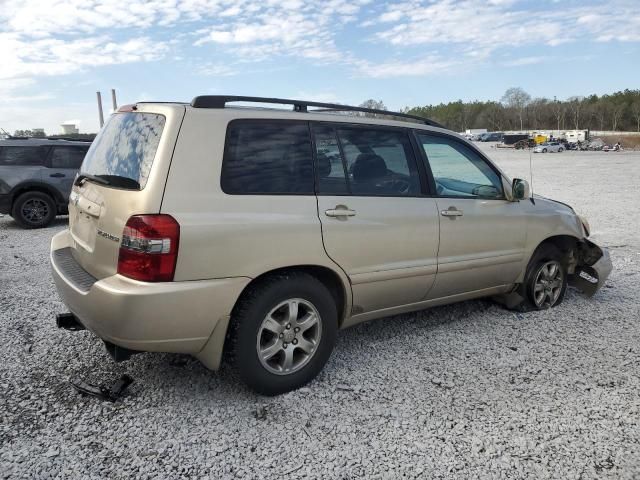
379, 162
267, 157
125, 147
332, 178
67, 157
23, 156
459, 171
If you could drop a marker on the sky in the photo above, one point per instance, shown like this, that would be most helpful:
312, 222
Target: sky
55, 55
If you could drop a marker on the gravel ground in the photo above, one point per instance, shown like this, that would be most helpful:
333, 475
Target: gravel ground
463, 391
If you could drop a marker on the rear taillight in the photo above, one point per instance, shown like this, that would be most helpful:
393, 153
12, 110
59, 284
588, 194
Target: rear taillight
149, 248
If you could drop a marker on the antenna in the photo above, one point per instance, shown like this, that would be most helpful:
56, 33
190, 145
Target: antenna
531, 172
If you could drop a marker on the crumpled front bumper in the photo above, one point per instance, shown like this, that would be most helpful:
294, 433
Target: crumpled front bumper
593, 269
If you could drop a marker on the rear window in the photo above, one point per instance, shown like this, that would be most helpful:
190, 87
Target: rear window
22, 156
267, 157
125, 147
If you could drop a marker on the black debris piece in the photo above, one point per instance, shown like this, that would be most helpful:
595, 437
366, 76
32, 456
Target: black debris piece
102, 392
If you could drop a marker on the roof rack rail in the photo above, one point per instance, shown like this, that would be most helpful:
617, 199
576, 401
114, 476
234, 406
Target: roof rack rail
220, 101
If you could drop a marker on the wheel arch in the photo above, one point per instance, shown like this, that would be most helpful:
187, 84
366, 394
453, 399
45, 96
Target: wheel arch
35, 187
212, 353
565, 243
340, 291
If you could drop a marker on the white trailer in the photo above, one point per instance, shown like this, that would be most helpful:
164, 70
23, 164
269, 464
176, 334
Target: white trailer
575, 136
475, 131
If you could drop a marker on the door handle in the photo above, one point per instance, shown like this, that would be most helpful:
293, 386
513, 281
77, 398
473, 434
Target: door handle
451, 212
57, 175
340, 211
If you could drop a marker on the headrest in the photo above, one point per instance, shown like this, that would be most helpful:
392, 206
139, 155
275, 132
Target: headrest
324, 165
368, 166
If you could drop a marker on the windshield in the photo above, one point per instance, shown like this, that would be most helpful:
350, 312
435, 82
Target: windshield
125, 148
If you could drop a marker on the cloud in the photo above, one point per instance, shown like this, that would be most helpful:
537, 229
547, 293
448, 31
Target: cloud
218, 70
525, 61
41, 38
305, 29
506, 23
22, 58
403, 68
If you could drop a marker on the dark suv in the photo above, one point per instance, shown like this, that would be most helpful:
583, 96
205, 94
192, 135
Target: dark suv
36, 176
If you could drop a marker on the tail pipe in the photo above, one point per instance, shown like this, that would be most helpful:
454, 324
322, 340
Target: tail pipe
68, 321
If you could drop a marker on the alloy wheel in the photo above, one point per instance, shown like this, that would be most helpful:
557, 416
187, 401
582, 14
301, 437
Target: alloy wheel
548, 284
34, 210
289, 336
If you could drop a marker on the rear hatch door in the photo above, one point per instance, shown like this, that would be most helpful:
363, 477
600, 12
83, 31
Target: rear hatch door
123, 174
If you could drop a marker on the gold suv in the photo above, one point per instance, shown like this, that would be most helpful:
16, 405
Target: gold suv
207, 229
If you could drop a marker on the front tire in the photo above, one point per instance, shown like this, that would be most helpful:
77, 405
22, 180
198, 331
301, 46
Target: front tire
283, 331
546, 278
34, 210
544, 150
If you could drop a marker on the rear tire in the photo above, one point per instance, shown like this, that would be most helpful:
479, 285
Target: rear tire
34, 210
282, 333
546, 279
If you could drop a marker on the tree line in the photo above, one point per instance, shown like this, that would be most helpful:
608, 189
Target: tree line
517, 110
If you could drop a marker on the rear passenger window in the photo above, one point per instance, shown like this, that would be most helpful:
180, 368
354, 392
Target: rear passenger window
22, 156
267, 157
67, 157
378, 162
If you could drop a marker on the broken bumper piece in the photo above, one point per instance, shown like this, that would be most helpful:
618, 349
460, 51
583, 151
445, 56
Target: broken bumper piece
593, 270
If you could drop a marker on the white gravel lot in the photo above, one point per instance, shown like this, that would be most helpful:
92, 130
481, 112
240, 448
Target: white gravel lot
464, 391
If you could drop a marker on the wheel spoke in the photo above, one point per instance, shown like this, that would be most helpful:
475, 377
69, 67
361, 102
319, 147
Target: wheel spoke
272, 325
547, 272
305, 345
270, 350
293, 312
539, 287
288, 359
308, 321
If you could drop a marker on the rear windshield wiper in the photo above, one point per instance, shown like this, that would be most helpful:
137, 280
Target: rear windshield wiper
117, 181
87, 176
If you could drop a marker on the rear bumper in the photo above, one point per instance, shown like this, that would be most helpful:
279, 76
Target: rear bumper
5, 204
156, 317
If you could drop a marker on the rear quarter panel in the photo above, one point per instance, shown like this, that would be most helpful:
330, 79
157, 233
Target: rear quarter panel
234, 235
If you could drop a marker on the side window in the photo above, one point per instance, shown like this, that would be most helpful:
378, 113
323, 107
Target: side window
267, 157
459, 171
22, 156
332, 178
379, 162
67, 157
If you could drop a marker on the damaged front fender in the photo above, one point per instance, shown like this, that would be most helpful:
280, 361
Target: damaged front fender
592, 269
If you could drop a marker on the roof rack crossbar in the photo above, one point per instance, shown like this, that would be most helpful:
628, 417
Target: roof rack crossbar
220, 101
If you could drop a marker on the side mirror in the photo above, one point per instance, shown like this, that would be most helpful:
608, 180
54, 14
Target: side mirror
520, 189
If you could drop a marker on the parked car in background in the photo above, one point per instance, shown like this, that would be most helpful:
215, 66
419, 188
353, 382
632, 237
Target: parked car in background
201, 228
36, 176
491, 137
545, 147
